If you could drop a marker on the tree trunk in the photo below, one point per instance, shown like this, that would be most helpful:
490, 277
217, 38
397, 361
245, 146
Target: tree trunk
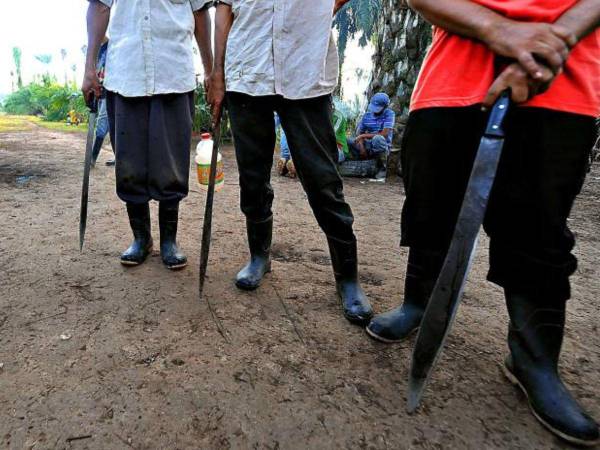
402, 41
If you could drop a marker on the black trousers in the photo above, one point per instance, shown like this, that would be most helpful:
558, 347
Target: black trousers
152, 139
541, 172
310, 135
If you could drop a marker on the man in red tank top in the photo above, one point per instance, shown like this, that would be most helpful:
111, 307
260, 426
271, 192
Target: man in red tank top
548, 53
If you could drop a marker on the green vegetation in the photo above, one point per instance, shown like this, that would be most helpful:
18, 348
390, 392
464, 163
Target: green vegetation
11, 124
46, 99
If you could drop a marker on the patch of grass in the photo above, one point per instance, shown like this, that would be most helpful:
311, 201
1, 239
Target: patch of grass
62, 126
11, 124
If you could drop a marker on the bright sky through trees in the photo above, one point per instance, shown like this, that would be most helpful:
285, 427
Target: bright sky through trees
43, 27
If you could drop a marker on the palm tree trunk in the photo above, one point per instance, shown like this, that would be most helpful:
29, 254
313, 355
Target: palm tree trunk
403, 39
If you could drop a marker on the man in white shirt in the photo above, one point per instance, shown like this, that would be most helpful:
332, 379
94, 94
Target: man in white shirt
150, 82
279, 56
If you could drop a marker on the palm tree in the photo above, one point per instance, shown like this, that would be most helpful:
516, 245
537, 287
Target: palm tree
46, 60
402, 41
74, 69
16, 51
63, 55
357, 18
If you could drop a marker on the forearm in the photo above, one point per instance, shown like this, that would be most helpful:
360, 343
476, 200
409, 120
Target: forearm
223, 22
582, 19
98, 16
462, 17
203, 34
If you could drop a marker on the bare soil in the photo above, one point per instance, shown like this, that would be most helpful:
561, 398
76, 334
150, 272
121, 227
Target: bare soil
141, 364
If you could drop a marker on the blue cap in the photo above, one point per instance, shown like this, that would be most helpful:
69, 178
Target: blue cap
379, 102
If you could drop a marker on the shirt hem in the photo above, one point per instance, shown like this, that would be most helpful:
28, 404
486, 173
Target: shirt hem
287, 97
573, 108
125, 93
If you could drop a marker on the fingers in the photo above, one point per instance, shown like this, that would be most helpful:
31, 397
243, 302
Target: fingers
514, 78
565, 35
529, 63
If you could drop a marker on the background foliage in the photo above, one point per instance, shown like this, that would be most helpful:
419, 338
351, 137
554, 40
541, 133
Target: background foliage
47, 99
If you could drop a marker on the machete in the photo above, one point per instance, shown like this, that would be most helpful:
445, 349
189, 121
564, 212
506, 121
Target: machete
87, 164
207, 226
447, 293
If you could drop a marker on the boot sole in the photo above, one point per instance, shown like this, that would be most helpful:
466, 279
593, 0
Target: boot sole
389, 341
573, 440
176, 266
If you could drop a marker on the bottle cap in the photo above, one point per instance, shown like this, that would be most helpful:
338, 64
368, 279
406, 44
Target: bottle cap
205, 136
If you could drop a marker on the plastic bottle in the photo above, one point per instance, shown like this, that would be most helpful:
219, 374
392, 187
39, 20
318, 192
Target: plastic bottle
203, 158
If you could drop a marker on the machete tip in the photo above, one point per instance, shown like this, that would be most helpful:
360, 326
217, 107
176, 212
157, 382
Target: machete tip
415, 392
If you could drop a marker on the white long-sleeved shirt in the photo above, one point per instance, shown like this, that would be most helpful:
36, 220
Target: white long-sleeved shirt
282, 47
150, 48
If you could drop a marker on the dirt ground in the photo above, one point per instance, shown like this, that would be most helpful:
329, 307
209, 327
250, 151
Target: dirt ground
141, 364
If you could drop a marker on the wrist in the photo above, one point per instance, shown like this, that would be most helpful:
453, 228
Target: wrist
489, 30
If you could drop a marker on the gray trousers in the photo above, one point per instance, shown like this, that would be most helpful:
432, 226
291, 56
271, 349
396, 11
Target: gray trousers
152, 138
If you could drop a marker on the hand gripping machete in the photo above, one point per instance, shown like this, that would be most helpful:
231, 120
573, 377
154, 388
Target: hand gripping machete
87, 164
445, 298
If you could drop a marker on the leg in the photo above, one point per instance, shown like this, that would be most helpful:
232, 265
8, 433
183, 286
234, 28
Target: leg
254, 138
170, 136
307, 124
542, 170
128, 118
379, 150
438, 149
354, 149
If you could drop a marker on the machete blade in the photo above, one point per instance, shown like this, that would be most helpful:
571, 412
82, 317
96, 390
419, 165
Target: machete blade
207, 226
87, 164
447, 293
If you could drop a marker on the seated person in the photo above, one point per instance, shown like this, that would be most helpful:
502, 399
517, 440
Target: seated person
374, 133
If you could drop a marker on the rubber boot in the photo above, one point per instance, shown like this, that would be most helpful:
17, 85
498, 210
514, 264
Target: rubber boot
421, 275
139, 220
535, 337
344, 260
96, 150
259, 241
168, 217
382, 160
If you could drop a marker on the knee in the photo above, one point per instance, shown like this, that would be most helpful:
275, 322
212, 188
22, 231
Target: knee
379, 144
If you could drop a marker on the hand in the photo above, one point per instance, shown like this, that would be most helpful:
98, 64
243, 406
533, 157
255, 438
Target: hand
338, 5
216, 94
91, 85
527, 41
521, 85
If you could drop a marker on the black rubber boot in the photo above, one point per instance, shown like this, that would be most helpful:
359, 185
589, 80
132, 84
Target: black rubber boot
168, 217
382, 161
344, 260
421, 275
535, 337
259, 241
96, 150
139, 219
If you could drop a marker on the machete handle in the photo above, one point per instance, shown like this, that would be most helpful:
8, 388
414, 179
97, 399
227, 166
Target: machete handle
93, 104
497, 115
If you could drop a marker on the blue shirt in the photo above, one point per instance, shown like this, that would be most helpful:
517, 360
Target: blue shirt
375, 123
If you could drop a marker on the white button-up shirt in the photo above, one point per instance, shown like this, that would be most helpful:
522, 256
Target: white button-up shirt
282, 47
150, 48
